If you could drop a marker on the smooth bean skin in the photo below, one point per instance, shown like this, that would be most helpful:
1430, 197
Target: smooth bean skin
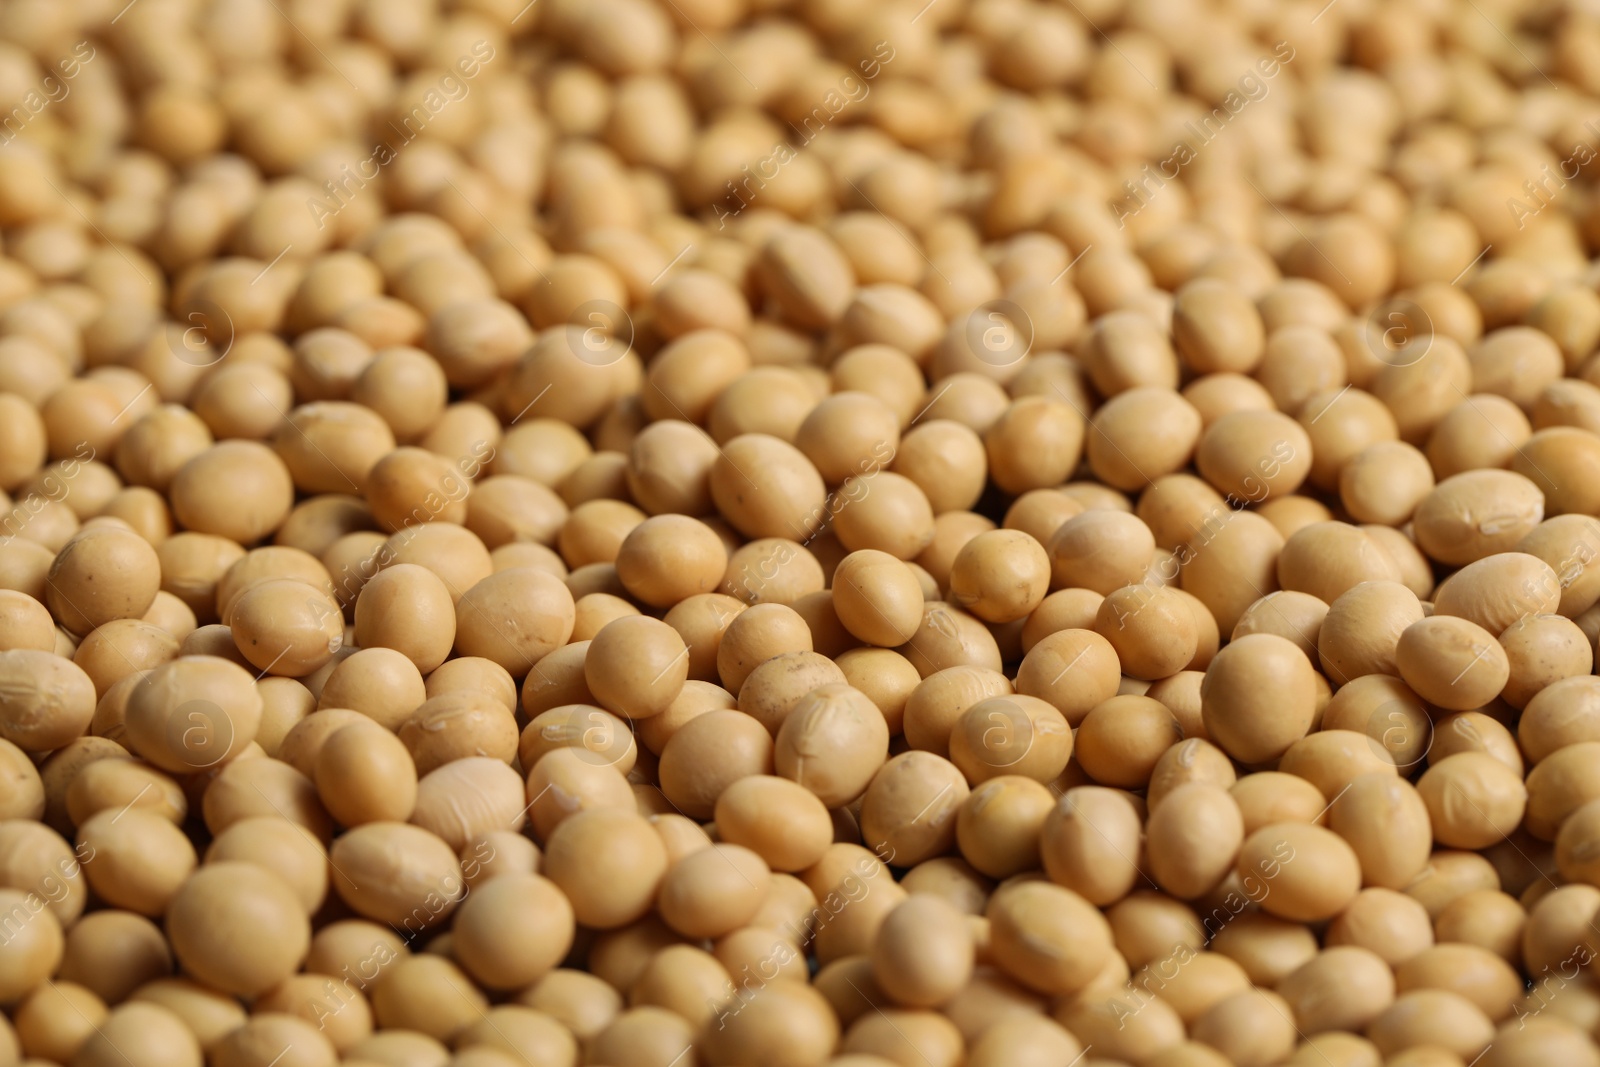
1068, 940
1452, 663
1193, 839
1088, 842
1232, 702
1316, 872
781, 821
227, 897
923, 953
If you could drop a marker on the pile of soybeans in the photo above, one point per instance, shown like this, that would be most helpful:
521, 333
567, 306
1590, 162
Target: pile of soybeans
799, 533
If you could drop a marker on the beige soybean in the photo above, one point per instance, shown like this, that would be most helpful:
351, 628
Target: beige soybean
193, 713
514, 618
1361, 632
1239, 715
1193, 838
1388, 824
455, 554
1476, 514
1036, 443
781, 821
143, 1035
923, 954
593, 611
365, 774
1311, 872
1250, 1027
768, 488
1231, 563
606, 738
556, 681
1327, 559
756, 635
877, 598
1215, 327
1476, 731
1293, 615
1388, 923
708, 753
1558, 542
116, 783
301, 744
832, 743
407, 608
636, 666
1064, 609
666, 558
791, 1020
1181, 694
951, 530
1388, 711
713, 891
1473, 972
250, 788
884, 511
1048, 937
1090, 843
1100, 550
1543, 650
1452, 663
609, 864
946, 460
1152, 629
1094, 1015
1000, 576
701, 621
1073, 669
381, 683
911, 805
430, 994
102, 574
227, 905
458, 725
112, 953
1384, 482
1451, 875
999, 824
1332, 759
48, 701
284, 627
468, 672
1498, 591
1250, 456
1487, 918
1014, 734
140, 859
1121, 739
235, 489
56, 1020
397, 874
687, 981
1472, 797
1561, 714
1140, 435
